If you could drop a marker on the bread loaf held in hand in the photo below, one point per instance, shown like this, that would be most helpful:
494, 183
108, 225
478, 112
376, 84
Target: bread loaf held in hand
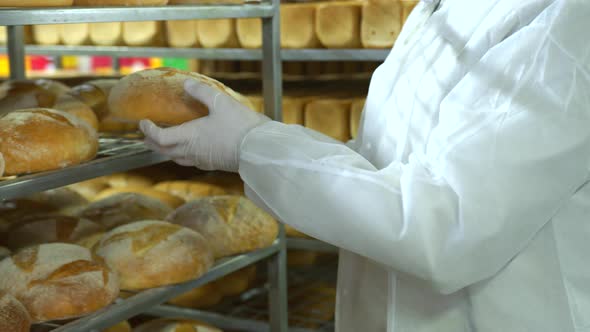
58, 281
152, 253
231, 224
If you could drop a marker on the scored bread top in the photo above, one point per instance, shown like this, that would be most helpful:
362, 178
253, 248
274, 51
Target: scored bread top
58, 281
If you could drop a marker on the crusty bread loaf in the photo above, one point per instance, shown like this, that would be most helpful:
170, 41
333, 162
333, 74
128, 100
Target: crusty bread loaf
58, 281
249, 32
120, 180
231, 224
231, 183
121, 327
13, 315
95, 94
202, 297
189, 190
35, 3
171, 200
74, 34
35, 140
106, 34
71, 105
217, 33
182, 33
298, 25
4, 252
41, 229
150, 253
338, 24
381, 23
120, 2
90, 241
158, 95
175, 325
330, 117
63, 200
89, 188
143, 33
125, 208
21, 94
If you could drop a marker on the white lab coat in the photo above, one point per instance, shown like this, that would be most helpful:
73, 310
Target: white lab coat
463, 205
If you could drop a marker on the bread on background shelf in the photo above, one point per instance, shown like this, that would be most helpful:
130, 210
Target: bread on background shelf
120, 2
36, 3
338, 24
189, 190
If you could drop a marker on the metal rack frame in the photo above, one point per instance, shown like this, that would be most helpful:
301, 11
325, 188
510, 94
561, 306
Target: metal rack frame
130, 156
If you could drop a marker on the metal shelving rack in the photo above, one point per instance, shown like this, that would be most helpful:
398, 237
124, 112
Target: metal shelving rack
121, 154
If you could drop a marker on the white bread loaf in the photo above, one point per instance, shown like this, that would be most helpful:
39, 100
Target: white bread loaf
189, 190
298, 26
74, 34
356, 109
46, 34
338, 24
330, 117
182, 33
158, 95
249, 31
13, 315
35, 140
175, 325
230, 224
381, 23
106, 34
149, 254
124, 208
42, 229
58, 281
35, 3
217, 33
145, 33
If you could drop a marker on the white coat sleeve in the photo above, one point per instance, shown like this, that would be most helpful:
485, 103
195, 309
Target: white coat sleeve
512, 145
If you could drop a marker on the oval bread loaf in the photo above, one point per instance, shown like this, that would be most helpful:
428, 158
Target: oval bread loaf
58, 281
36, 140
231, 224
175, 325
189, 190
158, 95
149, 254
41, 229
13, 315
167, 198
125, 208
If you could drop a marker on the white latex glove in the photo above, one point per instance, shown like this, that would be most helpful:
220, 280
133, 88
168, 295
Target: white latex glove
211, 142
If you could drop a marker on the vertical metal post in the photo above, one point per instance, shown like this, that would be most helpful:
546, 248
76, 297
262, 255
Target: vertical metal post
16, 51
116, 65
272, 85
272, 81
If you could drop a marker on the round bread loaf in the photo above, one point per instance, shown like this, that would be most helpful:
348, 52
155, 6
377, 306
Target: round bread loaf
158, 95
35, 140
121, 327
41, 229
89, 188
169, 199
69, 104
149, 254
125, 208
127, 180
58, 281
175, 325
202, 297
189, 190
231, 224
35, 3
120, 2
64, 200
13, 315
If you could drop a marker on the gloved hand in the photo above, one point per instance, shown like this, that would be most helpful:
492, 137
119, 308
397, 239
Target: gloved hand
211, 142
